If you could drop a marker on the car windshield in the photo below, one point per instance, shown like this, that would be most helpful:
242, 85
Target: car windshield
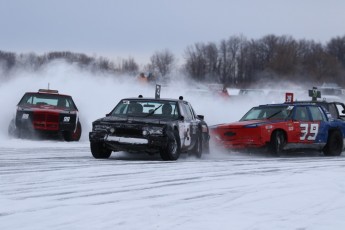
146, 108
268, 112
37, 99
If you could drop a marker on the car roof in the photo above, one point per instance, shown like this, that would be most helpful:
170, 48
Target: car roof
318, 102
290, 103
48, 93
152, 99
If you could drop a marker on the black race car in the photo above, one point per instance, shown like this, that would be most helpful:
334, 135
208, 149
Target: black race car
164, 126
44, 113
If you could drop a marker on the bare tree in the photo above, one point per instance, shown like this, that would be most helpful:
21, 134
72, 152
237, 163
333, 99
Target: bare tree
230, 56
129, 66
162, 62
336, 48
202, 61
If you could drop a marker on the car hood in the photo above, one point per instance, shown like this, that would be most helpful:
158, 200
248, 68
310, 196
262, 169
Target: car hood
240, 124
131, 120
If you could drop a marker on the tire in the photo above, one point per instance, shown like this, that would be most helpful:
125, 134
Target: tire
171, 152
198, 147
277, 143
99, 151
334, 145
73, 136
206, 144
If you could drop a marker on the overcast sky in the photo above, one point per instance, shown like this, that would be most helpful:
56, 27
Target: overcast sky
138, 28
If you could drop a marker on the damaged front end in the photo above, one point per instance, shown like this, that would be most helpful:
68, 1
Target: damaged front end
130, 137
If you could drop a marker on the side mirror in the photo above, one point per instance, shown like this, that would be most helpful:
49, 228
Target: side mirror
201, 117
182, 118
107, 115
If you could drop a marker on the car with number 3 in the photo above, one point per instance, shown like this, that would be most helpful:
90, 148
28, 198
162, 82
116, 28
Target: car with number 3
280, 127
44, 113
149, 125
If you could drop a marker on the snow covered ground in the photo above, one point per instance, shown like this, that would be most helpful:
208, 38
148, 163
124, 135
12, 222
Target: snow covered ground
58, 185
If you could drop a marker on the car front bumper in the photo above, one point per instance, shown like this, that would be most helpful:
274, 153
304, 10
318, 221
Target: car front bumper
131, 144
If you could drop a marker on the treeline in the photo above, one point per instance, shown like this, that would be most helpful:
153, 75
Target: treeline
239, 61
236, 61
33, 62
161, 62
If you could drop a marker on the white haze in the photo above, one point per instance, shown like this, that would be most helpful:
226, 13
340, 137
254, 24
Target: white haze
96, 94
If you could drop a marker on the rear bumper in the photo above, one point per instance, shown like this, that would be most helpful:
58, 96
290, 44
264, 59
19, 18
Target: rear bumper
45, 121
45, 126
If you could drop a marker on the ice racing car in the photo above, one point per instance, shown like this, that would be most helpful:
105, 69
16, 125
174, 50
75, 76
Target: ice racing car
287, 126
46, 112
151, 125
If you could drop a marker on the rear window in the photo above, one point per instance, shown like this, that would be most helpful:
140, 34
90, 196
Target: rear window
47, 99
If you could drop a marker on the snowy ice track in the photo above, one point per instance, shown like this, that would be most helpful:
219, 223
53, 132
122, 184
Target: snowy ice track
60, 186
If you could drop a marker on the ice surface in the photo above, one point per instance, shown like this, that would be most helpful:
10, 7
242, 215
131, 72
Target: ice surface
58, 185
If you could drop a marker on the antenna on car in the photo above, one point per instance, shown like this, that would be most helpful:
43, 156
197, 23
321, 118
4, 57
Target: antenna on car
314, 94
48, 86
158, 91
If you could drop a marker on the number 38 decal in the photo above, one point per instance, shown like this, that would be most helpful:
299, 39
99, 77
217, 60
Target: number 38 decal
309, 131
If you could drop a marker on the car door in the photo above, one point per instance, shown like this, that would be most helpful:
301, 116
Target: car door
340, 107
309, 122
320, 122
186, 125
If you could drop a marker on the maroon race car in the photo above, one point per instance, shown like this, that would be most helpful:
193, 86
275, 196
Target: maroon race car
46, 112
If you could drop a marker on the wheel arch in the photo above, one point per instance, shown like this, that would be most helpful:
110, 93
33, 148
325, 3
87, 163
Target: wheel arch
284, 132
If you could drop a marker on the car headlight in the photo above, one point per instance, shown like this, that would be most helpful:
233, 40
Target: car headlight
251, 126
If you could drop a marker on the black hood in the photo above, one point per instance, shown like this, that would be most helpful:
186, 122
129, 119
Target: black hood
132, 120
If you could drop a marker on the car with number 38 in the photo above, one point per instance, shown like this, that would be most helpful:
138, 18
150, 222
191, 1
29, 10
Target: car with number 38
280, 127
167, 127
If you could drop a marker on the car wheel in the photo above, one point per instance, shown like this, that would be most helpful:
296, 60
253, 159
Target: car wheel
206, 144
277, 143
73, 136
171, 151
99, 151
334, 145
197, 149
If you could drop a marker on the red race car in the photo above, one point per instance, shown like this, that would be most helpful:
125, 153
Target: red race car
287, 126
46, 112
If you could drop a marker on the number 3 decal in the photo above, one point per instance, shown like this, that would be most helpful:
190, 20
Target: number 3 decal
309, 133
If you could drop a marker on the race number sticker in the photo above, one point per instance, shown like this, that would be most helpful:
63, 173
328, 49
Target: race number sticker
25, 116
309, 131
185, 133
